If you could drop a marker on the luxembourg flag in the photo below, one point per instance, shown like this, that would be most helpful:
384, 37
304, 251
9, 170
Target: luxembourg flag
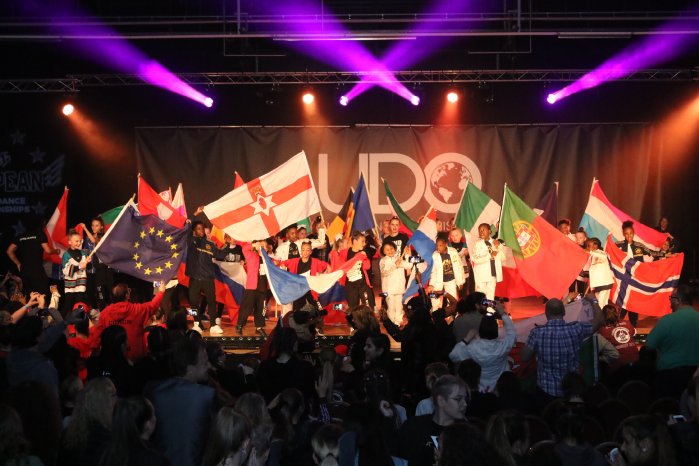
423, 241
602, 218
287, 287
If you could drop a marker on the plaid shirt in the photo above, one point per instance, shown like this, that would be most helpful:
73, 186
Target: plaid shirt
557, 346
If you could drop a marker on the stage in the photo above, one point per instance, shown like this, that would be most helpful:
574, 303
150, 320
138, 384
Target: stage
334, 334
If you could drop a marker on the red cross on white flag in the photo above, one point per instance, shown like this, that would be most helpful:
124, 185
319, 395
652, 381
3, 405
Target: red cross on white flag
265, 205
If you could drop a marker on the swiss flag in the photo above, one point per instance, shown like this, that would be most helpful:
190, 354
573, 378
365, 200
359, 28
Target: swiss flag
150, 202
643, 287
263, 206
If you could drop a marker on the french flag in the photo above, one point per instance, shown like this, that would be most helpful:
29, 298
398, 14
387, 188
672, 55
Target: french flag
229, 281
287, 287
424, 243
601, 218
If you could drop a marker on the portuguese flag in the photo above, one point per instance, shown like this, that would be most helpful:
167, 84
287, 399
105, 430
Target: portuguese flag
545, 258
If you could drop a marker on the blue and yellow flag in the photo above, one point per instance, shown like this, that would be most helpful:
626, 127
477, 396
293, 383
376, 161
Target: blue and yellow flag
143, 246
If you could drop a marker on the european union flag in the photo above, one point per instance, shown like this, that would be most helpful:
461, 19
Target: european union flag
143, 246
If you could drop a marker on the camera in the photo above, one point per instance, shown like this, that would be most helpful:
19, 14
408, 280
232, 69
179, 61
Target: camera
383, 294
435, 294
338, 307
416, 259
192, 312
489, 303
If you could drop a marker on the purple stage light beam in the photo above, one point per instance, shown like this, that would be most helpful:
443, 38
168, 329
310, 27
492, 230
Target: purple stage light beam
328, 48
406, 54
113, 51
667, 43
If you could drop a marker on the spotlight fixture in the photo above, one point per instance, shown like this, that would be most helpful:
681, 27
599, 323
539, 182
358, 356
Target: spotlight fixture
209, 102
68, 109
415, 100
344, 100
552, 99
308, 98
452, 97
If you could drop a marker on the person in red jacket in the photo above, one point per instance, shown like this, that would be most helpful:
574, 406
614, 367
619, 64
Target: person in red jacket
255, 288
132, 316
357, 284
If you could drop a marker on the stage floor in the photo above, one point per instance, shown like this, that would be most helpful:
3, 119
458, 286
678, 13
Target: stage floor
250, 342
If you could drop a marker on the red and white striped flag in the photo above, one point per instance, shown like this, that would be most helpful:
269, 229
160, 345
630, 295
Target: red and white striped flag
263, 206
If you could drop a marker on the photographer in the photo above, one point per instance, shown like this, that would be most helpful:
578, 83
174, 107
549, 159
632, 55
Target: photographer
304, 320
489, 351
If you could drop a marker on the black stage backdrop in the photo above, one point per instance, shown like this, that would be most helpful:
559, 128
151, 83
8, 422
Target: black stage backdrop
423, 165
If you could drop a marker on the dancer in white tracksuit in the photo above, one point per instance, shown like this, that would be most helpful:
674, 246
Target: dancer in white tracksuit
487, 258
393, 268
447, 272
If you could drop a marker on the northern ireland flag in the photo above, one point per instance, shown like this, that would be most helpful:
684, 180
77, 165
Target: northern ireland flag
287, 287
643, 287
151, 203
263, 206
602, 218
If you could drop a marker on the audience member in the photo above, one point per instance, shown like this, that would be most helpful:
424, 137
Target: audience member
229, 442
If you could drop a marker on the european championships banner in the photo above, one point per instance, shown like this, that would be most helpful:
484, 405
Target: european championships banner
423, 165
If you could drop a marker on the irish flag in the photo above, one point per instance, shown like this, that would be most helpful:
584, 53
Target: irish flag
602, 218
546, 259
477, 208
110, 216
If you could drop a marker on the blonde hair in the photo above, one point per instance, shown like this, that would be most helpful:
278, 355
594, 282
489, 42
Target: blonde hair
93, 407
364, 318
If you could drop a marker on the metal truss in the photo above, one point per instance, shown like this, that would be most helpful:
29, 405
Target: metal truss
74, 83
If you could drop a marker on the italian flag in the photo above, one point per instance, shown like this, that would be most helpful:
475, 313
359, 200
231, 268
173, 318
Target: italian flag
546, 259
477, 208
109, 216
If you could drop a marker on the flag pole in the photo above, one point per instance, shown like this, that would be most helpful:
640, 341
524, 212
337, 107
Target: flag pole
502, 208
116, 220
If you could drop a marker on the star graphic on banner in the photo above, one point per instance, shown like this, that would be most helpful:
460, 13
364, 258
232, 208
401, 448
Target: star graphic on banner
168, 238
136, 256
142, 234
148, 271
39, 208
151, 230
173, 247
17, 138
136, 245
139, 265
175, 254
19, 228
263, 204
160, 233
5, 158
158, 270
168, 265
37, 155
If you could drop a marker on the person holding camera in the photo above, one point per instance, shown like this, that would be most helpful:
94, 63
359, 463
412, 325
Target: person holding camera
447, 272
304, 320
487, 256
489, 351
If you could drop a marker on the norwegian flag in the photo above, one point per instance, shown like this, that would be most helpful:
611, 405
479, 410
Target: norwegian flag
265, 205
643, 287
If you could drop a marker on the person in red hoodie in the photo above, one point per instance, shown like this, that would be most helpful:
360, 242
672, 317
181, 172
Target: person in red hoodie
132, 316
357, 284
255, 288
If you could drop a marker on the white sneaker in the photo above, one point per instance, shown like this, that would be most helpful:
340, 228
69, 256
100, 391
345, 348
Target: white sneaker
217, 321
215, 330
196, 327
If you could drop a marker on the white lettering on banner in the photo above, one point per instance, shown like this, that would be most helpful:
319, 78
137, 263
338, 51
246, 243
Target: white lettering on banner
441, 182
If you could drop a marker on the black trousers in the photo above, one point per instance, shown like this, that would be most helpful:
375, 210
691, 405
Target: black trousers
99, 287
196, 287
253, 303
633, 317
359, 292
35, 280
